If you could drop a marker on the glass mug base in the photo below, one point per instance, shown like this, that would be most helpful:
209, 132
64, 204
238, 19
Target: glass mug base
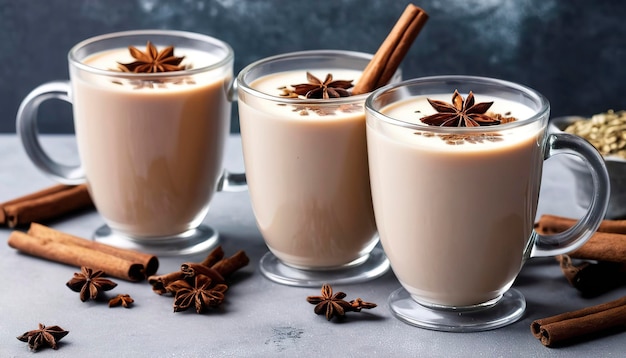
374, 266
505, 311
200, 239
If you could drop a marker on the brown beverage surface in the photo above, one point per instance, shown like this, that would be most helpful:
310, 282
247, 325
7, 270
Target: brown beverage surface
308, 176
152, 156
454, 220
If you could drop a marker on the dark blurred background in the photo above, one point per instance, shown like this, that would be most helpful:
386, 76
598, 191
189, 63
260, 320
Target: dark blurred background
574, 52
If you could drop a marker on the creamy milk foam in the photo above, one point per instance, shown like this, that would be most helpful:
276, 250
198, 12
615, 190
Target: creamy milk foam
454, 219
308, 175
153, 154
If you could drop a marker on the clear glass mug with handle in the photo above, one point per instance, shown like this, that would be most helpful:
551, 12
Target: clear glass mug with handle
455, 206
151, 145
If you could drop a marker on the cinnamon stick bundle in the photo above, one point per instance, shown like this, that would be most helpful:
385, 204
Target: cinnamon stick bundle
214, 266
47, 243
46, 204
149, 262
391, 52
567, 326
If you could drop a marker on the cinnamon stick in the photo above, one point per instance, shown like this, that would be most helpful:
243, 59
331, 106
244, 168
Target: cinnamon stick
391, 52
603, 246
191, 269
160, 282
46, 204
590, 320
213, 257
229, 265
552, 224
76, 255
149, 262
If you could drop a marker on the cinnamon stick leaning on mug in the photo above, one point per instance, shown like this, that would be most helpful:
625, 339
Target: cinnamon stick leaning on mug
392, 51
46, 204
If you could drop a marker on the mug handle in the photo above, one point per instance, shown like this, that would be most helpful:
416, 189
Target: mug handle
26, 124
577, 235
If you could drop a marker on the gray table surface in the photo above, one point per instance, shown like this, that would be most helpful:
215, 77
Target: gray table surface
260, 318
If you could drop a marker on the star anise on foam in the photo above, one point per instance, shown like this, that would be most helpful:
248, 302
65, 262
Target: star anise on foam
90, 283
44, 336
203, 294
121, 300
324, 90
460, 113
334, 305
152, 61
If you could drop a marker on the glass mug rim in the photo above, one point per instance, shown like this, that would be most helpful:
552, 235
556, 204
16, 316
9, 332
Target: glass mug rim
374, 109
75, 60
244, 85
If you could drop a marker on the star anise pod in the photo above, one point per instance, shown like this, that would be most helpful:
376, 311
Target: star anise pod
332, 305
90, 283
327, 89
460, 113
123, 300
203, 294
152, 61
44, 336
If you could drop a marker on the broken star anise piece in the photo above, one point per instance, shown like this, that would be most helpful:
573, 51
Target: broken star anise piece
359, 304
124, 300
324, 90
460, 113
203, 294
90, 283
44, 336
152, 61
332, 305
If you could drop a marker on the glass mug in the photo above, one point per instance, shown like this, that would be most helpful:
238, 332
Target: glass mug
455, 206
307, 172
151, 145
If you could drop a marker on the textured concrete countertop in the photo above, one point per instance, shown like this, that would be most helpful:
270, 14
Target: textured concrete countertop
260, 318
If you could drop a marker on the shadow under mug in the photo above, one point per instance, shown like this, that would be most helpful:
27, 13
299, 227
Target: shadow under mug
455, 206
151, 145
307, 171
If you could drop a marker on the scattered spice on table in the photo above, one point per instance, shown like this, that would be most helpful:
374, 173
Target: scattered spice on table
333, 304
200, 285
43, 337
90, 283
203, 294
123, 300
